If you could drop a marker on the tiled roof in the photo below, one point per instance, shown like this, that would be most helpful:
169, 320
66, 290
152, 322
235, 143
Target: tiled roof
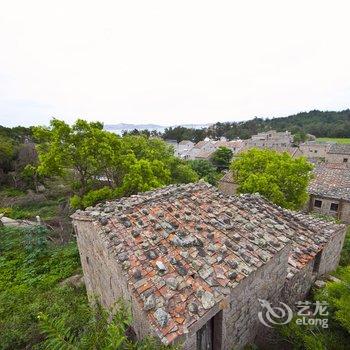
331, 180
200, 144
183, 248
204, 154
185, 142
338, 148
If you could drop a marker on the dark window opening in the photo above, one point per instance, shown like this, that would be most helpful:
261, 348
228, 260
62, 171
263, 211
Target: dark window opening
334, 206
318, 203
345, 160
317, 262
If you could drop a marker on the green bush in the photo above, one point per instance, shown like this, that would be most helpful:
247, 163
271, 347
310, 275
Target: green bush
38, 313
6, 211
92, 198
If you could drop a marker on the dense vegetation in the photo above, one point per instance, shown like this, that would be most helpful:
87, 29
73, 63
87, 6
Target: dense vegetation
103, 165
277, 176
337, 296
87, 164
38, 311
318, 123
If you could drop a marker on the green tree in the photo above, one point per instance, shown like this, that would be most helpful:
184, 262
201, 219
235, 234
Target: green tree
277, 176
7, 152
205, 170
80, 148
105, 165
221, 158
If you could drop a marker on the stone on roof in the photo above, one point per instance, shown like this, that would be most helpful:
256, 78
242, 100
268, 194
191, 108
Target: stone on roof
338, 148
331, 181
184, 248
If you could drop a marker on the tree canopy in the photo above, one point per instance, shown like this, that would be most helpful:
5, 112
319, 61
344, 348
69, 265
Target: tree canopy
96, 158
277, 176
318, 123
221, 158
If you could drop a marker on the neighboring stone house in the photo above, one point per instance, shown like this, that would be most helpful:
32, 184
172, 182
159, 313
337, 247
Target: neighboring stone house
194, 263
338, 153
315, 151
270, 139
330, 191
227, 184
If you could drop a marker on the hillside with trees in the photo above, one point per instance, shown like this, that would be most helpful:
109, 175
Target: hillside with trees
318, 123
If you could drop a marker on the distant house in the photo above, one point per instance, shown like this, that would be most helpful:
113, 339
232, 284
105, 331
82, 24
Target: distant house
315, 151
270, 139
184, 149
330, 191
193, 263
338, 153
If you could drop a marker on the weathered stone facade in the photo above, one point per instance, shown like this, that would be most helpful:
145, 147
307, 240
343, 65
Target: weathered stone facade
314, 151
330, 191
338, 153
187, 256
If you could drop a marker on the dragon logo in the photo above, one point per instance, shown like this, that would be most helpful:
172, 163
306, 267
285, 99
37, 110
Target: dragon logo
270, 316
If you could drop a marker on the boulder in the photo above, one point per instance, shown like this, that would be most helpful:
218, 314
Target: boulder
74, 281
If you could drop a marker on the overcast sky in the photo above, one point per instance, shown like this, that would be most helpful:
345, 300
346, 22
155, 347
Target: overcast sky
171, 62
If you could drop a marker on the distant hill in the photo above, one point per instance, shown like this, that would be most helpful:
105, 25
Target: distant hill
318, 123
121, 127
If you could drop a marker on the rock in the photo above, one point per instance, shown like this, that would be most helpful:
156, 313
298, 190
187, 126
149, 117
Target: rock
232, 263
41, 189
207, 300
137, 274
75, 281
333, 279
172, 283
205, 272
319, 284
161, 267
193, 308
162, 317
123, 257
135, 232
150, 302
232, 275
103, 221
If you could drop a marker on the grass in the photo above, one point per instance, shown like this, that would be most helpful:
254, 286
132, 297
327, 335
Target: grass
331, 139
46, 210
11, 192
30, 271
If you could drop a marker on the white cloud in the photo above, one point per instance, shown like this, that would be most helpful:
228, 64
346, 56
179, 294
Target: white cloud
171, 62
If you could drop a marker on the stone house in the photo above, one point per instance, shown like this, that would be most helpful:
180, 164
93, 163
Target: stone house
338, 153
193, 263
330, 191
227, 185
315, 151
270, 139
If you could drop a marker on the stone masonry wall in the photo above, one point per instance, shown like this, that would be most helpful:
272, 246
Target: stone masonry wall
299, 286
228, 188
337, 158
240, 323
103, 275
331, 253
344, 208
